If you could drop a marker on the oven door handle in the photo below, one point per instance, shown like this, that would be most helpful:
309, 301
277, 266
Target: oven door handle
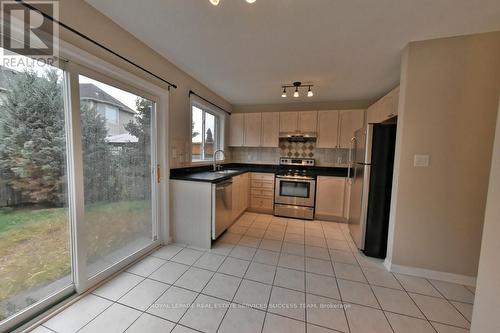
296, 180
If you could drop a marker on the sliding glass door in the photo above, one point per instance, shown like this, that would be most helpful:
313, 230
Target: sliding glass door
78, 183
118, 158
35, 256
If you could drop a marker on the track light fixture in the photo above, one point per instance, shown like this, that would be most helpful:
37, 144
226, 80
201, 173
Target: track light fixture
216, 2
297, 85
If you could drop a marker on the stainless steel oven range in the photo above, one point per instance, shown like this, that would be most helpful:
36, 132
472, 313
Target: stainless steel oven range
295, 188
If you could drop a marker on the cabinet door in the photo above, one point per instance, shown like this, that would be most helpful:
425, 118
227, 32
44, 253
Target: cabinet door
328, 124
253, 127
308, 121
330, 196
350, 121
372, 113
270, 129
385, 110
395, 101
289, 122
236, 130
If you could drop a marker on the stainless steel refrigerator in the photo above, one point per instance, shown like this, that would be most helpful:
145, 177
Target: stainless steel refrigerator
372, 161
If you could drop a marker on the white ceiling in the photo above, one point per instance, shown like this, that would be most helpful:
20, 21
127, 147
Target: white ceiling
350, 49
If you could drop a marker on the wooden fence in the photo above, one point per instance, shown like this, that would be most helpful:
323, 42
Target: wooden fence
7, 196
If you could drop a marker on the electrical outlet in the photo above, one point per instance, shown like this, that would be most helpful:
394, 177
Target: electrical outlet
421, 161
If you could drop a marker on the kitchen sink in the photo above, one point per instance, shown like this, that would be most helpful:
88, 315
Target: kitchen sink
226, 172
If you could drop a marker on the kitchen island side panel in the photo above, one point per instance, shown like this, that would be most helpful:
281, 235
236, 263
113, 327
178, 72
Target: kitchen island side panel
191, 212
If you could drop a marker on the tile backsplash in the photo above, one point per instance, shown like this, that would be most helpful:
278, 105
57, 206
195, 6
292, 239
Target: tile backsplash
324, 157
297, 149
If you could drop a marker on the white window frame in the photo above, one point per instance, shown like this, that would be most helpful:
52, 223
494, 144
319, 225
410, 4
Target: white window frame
220, 128
108, 73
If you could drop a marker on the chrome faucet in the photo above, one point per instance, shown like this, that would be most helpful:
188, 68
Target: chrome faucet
215, 165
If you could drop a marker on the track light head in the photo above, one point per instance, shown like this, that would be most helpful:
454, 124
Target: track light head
309, 92
284, 92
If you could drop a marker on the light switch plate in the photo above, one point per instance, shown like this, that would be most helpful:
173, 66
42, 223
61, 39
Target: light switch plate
421, 161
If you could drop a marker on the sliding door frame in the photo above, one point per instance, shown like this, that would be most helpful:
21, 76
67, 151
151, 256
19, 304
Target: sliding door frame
82, 280
75, 61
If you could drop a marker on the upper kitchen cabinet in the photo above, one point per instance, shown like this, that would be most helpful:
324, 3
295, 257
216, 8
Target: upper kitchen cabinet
385, 108
328, 129
270, 129
236, 130
301, 122
252, 129
395, 101
308, 121
289, 122
372, 113
350, 121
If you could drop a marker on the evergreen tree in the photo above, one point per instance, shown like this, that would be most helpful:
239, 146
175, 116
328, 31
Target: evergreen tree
193, 133
209, 137
32, 146
136, 157
98, 162
33, 140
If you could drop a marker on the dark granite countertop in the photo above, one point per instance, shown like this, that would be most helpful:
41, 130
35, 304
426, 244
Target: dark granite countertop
205, 173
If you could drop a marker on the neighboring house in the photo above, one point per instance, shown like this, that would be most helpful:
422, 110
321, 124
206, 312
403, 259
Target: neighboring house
116, 114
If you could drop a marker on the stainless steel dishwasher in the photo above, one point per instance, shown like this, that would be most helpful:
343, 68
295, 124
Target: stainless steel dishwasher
223, 206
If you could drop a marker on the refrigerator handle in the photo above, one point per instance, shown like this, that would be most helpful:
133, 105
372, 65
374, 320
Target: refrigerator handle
350, 161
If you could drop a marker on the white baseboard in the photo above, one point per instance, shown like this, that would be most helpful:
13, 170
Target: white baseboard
431, 274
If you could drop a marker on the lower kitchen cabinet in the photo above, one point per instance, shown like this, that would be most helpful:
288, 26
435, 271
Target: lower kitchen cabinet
191, 207
330, 193
262, 192
239, 195
194, 208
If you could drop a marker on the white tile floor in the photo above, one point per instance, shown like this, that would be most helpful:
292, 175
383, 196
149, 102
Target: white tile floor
268, 274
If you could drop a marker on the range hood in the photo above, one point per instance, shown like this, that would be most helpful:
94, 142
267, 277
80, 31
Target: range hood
298, 137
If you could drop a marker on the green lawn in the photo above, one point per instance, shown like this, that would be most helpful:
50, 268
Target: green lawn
34, 243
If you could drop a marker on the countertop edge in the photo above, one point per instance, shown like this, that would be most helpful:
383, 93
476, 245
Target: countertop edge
194, 173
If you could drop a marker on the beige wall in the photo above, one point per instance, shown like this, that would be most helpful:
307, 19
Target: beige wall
487, 302
448, 104
84, 18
